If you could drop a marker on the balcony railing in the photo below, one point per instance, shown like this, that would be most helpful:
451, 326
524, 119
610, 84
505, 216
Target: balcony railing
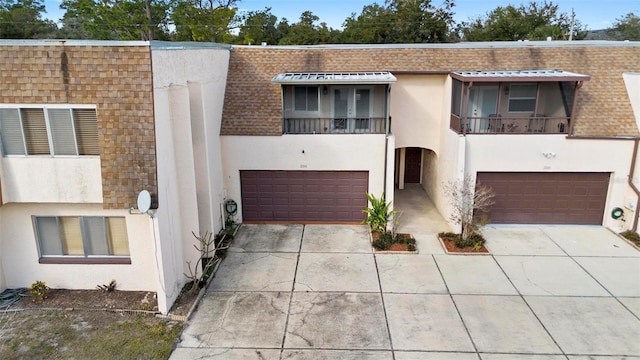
372, 125
510, 125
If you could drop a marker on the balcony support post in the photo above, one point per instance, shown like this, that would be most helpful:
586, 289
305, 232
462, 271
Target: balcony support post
573, 108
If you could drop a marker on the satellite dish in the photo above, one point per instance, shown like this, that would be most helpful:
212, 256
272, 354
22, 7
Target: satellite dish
144, 201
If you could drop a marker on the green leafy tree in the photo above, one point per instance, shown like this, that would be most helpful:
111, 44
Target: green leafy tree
22, 19
536, 21
400, 21
307, 32
258, 27
626, 28
372, 26
204, 20
115, 19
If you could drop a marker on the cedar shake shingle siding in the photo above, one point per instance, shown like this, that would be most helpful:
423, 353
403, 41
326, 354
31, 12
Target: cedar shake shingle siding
253, 104
117, 79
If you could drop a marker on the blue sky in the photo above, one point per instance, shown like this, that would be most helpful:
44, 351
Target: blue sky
595, 14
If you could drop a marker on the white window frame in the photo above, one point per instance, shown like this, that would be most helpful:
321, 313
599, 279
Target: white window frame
45, 108
85, 235
534, 97
306, 111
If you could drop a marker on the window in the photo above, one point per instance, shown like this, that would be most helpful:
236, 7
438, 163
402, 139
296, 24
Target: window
49, 131
522, 97
456, 101
82, 236
306, 98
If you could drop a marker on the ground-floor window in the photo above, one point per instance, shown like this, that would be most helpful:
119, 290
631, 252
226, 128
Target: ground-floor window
81, 237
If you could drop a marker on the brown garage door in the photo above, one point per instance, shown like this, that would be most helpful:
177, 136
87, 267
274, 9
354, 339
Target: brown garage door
547, 198
304, 196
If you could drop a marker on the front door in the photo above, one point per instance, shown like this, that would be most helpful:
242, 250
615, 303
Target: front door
412, 165
351, 109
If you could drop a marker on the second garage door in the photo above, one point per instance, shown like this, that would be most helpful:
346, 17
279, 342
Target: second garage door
547, 198
303, 196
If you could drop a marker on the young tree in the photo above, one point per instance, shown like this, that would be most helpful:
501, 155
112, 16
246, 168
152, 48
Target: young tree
532, 22
22, 19
470, 204
626, 28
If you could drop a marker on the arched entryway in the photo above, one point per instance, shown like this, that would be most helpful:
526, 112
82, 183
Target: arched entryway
414, 165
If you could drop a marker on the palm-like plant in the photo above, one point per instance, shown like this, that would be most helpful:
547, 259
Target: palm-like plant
378, 214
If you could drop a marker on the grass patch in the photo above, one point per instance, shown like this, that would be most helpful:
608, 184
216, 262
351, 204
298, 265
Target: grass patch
92, 335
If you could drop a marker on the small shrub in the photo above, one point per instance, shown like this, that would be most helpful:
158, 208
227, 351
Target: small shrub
448, 235
631, 236
411, 247
383, 242
111, 286
474, 240
38, 291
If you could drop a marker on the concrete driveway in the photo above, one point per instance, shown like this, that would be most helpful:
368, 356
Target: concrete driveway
318, 292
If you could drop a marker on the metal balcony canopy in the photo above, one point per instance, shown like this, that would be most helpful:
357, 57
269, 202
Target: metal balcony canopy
518, 76
382, 77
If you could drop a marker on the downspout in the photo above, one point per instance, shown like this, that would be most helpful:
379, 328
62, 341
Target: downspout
632, 185
386, 140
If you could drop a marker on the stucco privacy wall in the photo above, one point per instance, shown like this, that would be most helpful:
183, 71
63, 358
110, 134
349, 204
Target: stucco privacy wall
19, 253
253, 105
114, 76
188, 89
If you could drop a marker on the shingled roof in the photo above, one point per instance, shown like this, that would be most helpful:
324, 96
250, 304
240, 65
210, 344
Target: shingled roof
253, 102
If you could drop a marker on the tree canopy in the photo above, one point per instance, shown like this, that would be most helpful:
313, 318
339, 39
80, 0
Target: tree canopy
532, 22
399, 21
626, 28
22, 19
392, 21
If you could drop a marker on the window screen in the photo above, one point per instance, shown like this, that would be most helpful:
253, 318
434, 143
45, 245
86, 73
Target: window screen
522, 97
49, 131
82, 236
306, 98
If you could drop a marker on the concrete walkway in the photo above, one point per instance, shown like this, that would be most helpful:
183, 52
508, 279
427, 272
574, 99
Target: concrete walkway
318, 292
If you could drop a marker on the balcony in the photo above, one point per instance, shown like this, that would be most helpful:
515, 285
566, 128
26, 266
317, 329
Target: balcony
494, 124
514, 101
369, 125
335, 103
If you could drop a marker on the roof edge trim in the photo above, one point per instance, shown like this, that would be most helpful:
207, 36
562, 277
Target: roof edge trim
363, 77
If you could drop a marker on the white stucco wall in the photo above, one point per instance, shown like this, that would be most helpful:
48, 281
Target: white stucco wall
3, 284
46, 179
523, 153
189, 89
19, 252
321, 152
417, 111
632, 82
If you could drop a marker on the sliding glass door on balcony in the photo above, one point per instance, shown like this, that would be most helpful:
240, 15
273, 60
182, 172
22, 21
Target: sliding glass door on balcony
483, 102
352, 109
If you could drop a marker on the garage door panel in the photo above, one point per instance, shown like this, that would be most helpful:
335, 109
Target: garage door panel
330, 196
547, 198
